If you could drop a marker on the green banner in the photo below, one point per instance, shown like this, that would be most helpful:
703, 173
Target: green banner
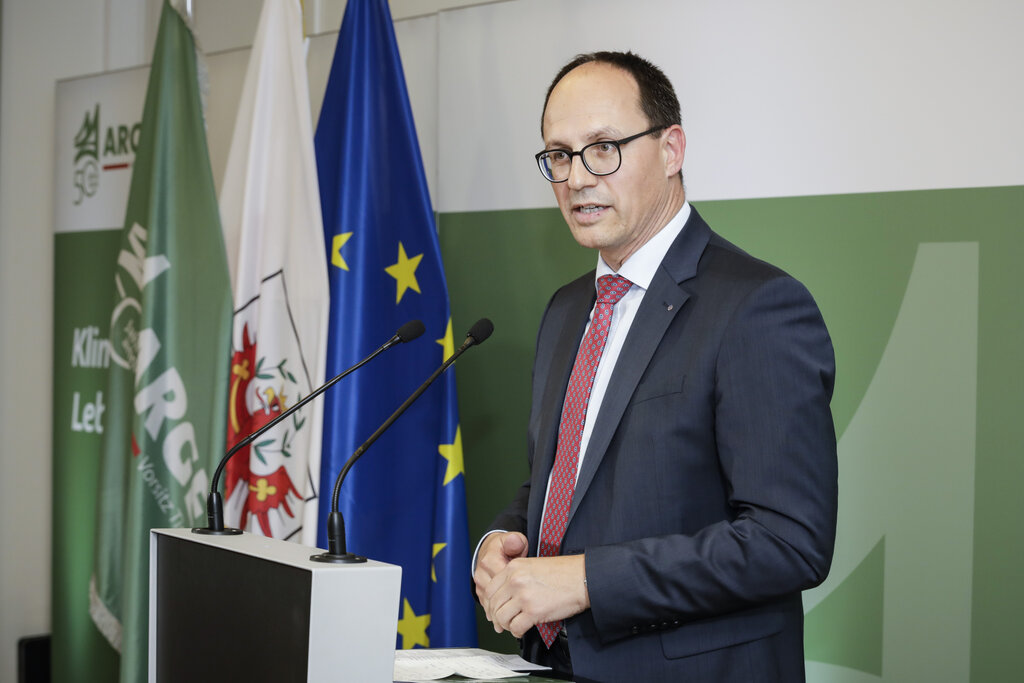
169, 339
83, 263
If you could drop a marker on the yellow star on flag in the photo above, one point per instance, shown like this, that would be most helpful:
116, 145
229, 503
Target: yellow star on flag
404, 272
336, 244
447, 342
438, 547
413, 627
452, 452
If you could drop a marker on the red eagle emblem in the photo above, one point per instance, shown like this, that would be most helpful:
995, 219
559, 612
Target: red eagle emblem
251, 407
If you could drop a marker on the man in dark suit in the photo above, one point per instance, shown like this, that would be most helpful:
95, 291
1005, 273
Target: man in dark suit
682, 452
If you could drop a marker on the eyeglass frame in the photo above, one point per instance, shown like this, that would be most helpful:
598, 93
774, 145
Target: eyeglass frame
618, 146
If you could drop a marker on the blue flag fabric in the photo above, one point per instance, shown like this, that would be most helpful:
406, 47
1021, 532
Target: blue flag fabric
404, 502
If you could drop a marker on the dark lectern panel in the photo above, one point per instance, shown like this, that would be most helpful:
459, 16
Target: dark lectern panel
223, 616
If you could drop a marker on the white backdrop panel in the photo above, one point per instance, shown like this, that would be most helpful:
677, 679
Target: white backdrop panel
779, 99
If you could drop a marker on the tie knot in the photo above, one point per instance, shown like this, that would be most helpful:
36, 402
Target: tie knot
611, 288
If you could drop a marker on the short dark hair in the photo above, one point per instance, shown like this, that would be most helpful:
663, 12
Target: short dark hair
658, 99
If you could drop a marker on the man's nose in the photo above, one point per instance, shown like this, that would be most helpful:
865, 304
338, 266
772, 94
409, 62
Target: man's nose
579, 175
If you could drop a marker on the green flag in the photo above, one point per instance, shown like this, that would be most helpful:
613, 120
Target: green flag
169, 347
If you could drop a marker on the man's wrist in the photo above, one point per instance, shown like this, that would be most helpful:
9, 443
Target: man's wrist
472, 563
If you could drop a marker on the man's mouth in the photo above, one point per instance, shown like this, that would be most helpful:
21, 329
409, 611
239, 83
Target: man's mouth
589, 209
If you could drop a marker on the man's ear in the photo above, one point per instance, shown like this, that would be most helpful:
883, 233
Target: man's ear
673, 149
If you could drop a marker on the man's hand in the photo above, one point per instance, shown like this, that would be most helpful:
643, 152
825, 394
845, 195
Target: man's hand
534, 590
495, 553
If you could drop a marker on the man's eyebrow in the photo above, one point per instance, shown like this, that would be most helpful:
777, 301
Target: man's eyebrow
555, 144
603, 133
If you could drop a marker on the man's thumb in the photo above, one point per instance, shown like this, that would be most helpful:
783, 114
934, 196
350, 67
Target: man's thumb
513, 545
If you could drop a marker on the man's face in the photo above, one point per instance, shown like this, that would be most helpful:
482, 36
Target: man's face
615, 213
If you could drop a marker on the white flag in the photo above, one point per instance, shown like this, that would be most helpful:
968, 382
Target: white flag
273, 230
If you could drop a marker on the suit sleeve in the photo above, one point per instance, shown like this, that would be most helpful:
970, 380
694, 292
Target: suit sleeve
776, 449
514, 516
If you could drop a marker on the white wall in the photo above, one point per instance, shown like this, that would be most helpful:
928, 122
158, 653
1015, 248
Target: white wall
30, 66
790, 98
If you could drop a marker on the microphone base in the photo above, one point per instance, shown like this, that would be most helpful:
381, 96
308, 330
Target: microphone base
346, 558
226, 531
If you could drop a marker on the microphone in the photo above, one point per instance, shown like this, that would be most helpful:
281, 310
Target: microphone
214, 503
477, 334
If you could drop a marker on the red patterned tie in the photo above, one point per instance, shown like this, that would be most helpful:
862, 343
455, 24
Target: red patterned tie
610, 288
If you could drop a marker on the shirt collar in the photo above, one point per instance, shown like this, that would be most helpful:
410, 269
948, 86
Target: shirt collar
641, 266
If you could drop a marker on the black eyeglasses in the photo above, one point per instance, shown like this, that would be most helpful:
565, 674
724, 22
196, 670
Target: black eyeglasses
600, 158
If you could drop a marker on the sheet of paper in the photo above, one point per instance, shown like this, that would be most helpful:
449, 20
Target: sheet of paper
435, 664
515, 662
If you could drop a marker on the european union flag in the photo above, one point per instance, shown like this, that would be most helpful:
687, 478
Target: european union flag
404, 502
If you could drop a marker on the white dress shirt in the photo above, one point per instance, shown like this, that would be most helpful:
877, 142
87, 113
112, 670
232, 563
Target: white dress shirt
638, 269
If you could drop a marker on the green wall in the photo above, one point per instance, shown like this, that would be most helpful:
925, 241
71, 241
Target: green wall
856, 254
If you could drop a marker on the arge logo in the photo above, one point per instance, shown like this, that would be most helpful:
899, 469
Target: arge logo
119, 145
135, 271
162, 433
87, 156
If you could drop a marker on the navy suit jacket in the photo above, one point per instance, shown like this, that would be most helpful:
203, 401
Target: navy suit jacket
707, 497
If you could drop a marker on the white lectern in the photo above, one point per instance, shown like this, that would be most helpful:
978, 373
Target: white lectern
258, 609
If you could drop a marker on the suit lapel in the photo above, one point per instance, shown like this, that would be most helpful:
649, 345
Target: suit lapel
661, 303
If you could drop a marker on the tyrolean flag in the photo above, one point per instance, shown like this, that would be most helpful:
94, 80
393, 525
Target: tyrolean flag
270, 208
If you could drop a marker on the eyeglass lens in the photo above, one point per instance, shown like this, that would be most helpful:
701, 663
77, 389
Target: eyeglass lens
600, 158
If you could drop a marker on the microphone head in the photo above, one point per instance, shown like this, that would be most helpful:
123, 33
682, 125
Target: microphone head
481, 330
410, 330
